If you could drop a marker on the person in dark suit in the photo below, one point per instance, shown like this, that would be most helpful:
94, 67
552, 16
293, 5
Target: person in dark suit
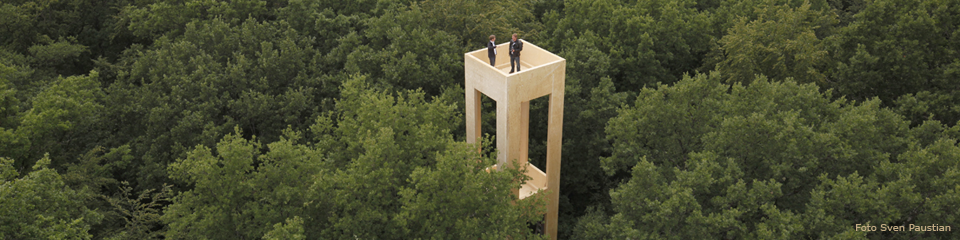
492, 50
515, 47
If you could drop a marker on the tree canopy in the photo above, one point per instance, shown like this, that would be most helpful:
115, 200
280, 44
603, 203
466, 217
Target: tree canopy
307, 119
771, 160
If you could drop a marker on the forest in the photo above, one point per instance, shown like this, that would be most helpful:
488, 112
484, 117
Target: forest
344, 119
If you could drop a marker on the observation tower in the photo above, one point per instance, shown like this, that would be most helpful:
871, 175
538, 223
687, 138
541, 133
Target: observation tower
543, 73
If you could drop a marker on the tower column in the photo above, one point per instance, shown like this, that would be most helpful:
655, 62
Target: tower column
473, 114
554, 144
511, 127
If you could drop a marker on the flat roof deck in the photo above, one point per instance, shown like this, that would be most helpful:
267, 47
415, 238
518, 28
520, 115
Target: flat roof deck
532, 56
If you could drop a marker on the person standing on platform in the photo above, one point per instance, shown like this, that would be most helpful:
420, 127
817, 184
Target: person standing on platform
492, 50
515, 47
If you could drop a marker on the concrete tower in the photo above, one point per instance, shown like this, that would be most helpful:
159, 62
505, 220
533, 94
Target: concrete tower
543, 74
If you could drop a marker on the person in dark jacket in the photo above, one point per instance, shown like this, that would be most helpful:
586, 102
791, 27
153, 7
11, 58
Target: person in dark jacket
515, 47
492, 50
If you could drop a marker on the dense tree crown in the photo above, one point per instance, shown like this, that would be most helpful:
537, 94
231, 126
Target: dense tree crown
331, 119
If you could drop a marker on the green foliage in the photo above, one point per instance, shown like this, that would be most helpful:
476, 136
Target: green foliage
400, 175
930, 105
317, 19
95, 168
60, 116
647, 41
194, 89
364, 114
896, 48
40, 205
780, 43
643, 130
155, 18
239, 192
728, 13
94, 172
54, 53
762, 162
126, 98
385, 170
140, 214
921, 188
9, 107
63, 105
846, 9
417, 58
472, 21
592, 225
293, 229
421, 45
61, 36
457, 199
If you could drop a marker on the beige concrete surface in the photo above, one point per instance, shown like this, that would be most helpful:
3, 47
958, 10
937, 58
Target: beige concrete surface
537, 182
542, 73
